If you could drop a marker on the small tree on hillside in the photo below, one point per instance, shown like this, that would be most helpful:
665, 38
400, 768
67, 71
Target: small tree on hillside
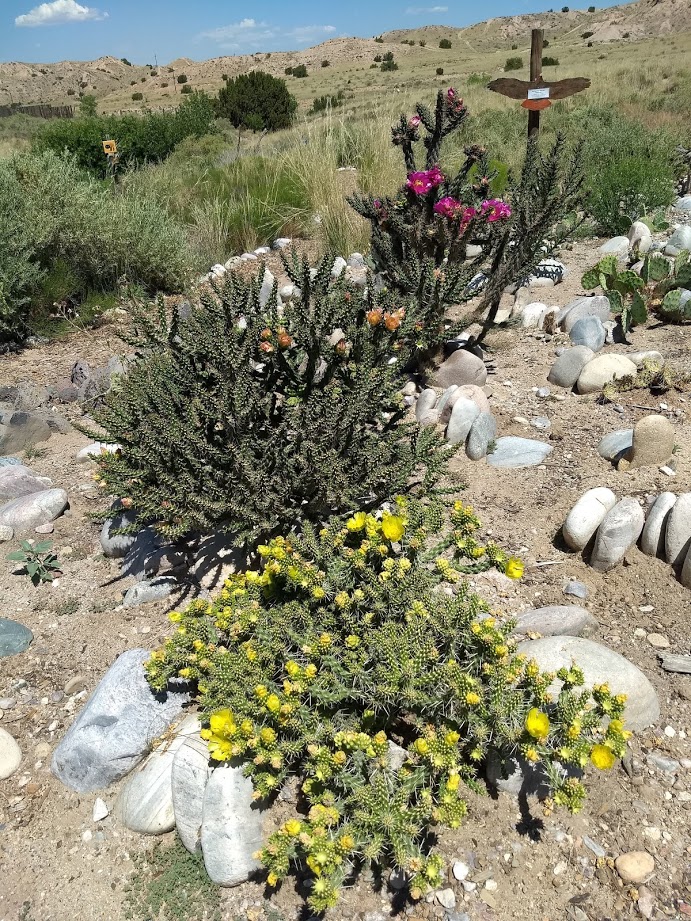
258, 101
87, 106
445, 43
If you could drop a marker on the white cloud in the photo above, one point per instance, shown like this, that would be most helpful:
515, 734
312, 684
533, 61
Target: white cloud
58, 12
420, 10
250, 35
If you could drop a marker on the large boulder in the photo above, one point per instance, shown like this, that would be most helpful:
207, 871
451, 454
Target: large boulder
586, 516
602, 370
18, 480
620, 529
600, 665
231, 827
567, 368
114, 731
21, 430
462, 367
28, 512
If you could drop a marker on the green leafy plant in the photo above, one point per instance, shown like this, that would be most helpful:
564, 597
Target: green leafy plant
445, 44
250, 416
548, 61
357, 660
182, 78
300, 70
388, 63
625, 187
257, 96
136, 97
669, 284
420, 237
514, 63
623, 288
186, 90
38, 561
87, 107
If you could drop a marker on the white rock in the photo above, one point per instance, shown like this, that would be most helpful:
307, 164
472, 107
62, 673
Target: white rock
189, 778
10, 755
145, 803
463, 414
460, 870
617, 246
231, 827
640, 238
603, 369
92, 451
589, 306
282, 242
425, 403
653, 536
266, 288
218, 270
532, 315
681, 238
100, 810
586, 516
678, 534
338, 266
286, 292
647, 355
620, 529
262, 251
27, 512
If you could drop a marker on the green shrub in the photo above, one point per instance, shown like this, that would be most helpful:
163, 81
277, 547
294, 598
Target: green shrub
326, 63
515, 63
300, 71
626, 186
186, 90
445, 43
591, 9
251, 426
70, 92
256, 100
547, 61
347, 649
586, 34
288, 71
379, 40
440, 71
377, 59
545, 43
137, 96
87, 106
182, 78
514, 47
140, 138
623, 289
388, 66
565, 9
422, 43
125, 61
322, 103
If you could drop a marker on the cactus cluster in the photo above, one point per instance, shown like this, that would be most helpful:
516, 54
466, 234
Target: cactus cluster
669, 281
624, 290
357, 659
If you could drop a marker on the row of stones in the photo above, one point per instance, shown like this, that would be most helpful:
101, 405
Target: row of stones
617, 526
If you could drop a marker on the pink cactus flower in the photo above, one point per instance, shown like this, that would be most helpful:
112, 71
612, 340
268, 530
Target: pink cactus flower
468, 214
494, 209
414, 121
421, 182
451, 94
448, 207
436, 177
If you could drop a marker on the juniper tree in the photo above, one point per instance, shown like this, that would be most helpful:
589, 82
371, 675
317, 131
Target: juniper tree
250, 416
421, 236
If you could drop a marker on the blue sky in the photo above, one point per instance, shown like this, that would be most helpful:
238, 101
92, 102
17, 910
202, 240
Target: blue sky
144, 29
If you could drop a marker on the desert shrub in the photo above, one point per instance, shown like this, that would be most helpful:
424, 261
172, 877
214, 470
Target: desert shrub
422, 43
445, 43
300, 71
388, 63
251, 418
326, 63
256, 100
586, 34
548, 61
440, 71
186, 90
628, 185
590, 44
514, 47
379, 40
478, 79
591, 9
137, 96
288, 71
377, 59
545, 43
141, 138
164, 85
515, 63
322, 103
133, 82
125, 61
70, 92
87, 106
565, 9
182, 78
350, 660
420, 235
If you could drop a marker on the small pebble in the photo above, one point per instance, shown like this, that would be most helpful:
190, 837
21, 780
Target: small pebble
460, 870
492, 885
657, 641
576, 588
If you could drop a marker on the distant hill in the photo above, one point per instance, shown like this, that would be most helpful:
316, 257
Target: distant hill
114, 81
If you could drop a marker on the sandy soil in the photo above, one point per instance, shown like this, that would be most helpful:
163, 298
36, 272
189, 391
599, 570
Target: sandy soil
61, 866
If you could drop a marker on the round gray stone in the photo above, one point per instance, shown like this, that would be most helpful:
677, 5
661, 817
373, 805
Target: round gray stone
678, 534
10, 755
425, 403
556, 620
603, 369
482, 433
586, 516
653, 536
462, 367
620, 529
463, 415
14, 637
518, 452
600, 665
590, 332
597, 306
567, 368
27, 512
615, 444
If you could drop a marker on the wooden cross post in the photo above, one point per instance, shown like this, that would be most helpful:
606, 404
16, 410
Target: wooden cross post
537, 94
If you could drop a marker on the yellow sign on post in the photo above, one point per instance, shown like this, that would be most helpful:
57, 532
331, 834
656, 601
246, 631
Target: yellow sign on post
110, 147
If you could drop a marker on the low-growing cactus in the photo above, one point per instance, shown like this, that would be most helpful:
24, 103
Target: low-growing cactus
670, 280
624, 290
357, 659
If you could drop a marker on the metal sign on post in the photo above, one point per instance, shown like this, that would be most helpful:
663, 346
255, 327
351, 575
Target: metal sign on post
537, 94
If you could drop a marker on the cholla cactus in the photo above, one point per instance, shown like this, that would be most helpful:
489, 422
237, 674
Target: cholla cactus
420, 238
251, 416
360, 642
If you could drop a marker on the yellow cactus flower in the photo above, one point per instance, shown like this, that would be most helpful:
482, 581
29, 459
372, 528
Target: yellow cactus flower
175, 617
392, 526
261, 691
357, 522
421, 746
318, 592
342, 600
514, 568
222, 722
352, 642
325, 639
472, 699
268, 735
292, 827
453, 782
272, 879
292, 668
451, 737
273, 704
310, 671
532, 755
537, 724
602, 757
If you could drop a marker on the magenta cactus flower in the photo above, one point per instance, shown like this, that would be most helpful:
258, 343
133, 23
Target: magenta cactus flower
421, 182
448, 207
414, 121
494, 209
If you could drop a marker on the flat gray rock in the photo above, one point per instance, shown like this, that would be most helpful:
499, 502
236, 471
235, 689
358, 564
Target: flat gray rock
14, 637
114, 731
681, 238
231, 827
116, 545
28, 512
603, 369
21, 430
518, 452
617, 246
620, 529
589, 332
482, 432
567, 368
653, 536
615, 444
463, 415
600, 665
425, 403
17, 480
556, 620
462, 367
189, 777
151, 590
597, 306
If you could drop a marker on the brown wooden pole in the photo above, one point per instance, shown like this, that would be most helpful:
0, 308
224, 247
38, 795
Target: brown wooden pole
535, 74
